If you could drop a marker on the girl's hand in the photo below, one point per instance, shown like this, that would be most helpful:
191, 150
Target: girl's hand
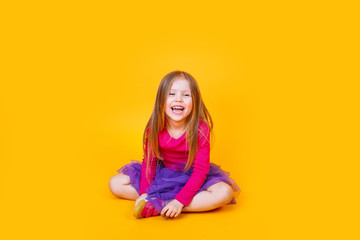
141, 197
172, 209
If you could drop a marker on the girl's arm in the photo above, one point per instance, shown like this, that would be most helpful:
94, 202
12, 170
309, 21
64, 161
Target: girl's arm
201, 168
144, 183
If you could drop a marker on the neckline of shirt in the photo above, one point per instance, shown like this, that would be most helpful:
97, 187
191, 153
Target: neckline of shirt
172, 137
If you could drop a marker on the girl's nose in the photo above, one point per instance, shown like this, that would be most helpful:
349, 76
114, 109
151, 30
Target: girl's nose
178, 98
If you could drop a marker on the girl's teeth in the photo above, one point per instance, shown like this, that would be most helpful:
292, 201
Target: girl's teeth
177, 109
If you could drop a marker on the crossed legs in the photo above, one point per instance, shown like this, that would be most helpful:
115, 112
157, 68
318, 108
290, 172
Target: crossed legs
217, 195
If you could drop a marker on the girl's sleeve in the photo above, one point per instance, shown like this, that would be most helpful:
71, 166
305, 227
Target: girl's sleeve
144, 183
201, 167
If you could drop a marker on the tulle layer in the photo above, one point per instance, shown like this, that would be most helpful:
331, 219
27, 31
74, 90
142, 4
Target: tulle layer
168, 183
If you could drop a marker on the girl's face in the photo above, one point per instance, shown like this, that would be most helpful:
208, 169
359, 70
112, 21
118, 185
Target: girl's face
179, 102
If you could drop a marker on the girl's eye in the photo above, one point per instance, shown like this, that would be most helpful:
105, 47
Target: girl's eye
187, 95
171, 94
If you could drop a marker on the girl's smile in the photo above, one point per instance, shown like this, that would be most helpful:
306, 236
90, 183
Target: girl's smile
179, 102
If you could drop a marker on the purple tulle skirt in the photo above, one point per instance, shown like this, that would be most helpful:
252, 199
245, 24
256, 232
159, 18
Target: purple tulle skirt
168, 183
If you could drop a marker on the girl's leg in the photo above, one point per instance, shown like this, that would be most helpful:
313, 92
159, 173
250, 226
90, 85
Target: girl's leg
215, 196
120, 186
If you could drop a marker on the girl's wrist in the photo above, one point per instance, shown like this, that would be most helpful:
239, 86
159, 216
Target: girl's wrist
182, 205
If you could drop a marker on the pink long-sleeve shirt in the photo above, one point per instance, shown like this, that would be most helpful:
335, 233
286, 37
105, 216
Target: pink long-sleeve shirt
175, 154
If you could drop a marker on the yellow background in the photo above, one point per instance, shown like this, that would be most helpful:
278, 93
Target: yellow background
78, 84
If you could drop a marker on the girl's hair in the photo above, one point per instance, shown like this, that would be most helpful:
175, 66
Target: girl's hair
156, 122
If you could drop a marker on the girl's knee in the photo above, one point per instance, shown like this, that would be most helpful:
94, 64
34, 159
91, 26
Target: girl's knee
114, 185
225, 192
116, 182
228, 193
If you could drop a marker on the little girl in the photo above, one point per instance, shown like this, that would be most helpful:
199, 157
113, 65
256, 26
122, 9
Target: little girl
176, 174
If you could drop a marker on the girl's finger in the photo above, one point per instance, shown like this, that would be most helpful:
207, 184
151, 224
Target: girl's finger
173, 214
168, 213
164, 211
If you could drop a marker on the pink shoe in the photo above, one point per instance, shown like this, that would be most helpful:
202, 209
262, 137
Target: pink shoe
139, 209
149, 210
145, 209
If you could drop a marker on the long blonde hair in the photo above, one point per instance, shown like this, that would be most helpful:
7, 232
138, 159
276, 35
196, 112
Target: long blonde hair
156, 122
